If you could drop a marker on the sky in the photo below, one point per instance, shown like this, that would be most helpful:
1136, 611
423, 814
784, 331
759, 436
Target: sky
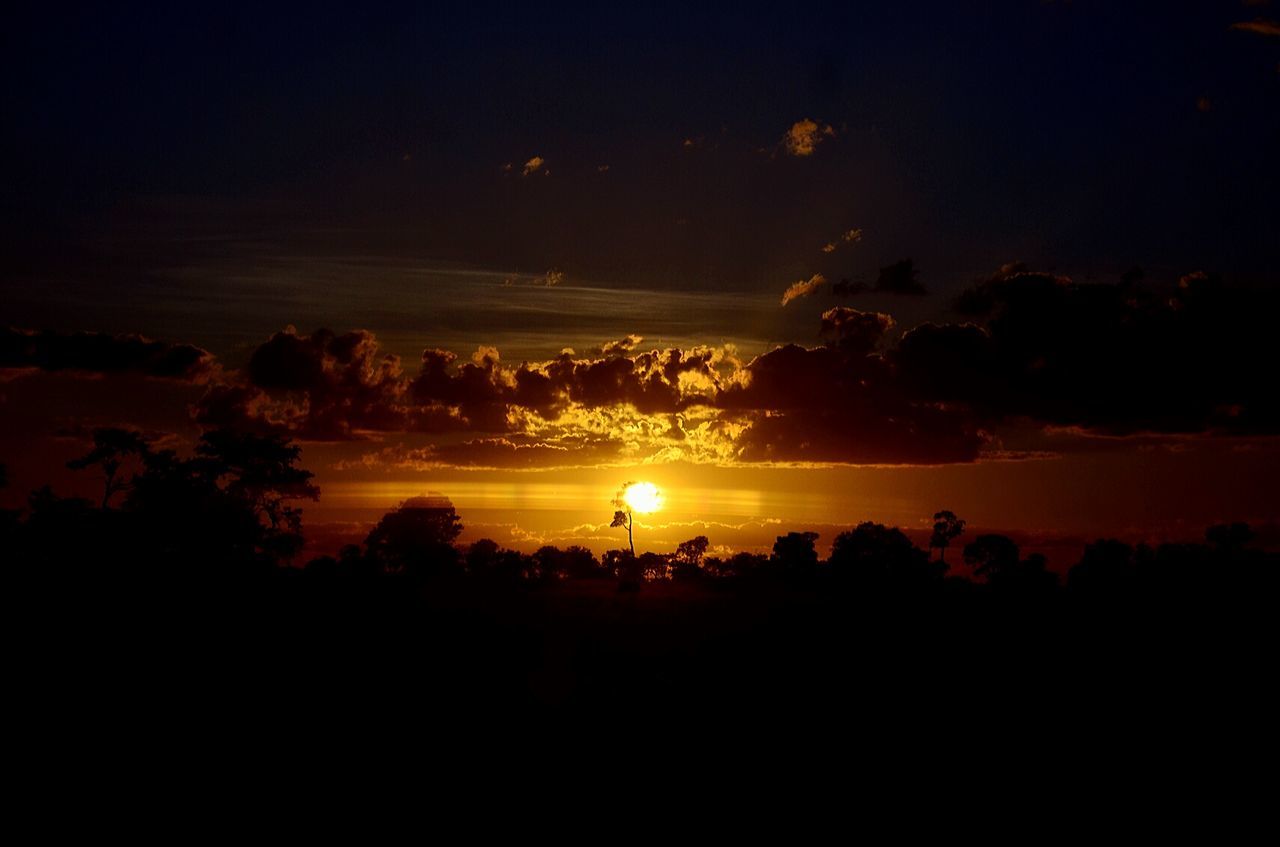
800, 266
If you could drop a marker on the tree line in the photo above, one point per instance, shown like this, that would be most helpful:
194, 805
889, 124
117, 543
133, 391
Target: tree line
232, 508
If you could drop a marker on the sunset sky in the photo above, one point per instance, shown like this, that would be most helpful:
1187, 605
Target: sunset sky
799, 266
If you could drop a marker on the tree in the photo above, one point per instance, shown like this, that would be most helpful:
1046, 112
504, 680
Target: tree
260, 469
689, 557
991, 555
693, 551
622, 516
880, 555
946, 528
112, 446
795, 555
996, 557
1229, 536
417, 537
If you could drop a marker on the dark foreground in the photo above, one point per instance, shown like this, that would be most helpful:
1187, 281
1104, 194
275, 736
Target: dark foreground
289, 643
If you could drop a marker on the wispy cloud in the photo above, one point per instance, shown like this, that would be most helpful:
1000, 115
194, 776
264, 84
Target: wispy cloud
849, 237
803, 288
1261, 26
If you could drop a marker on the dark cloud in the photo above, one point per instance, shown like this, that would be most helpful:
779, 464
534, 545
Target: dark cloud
1115, 358
900, 278
855, 330
100, 353
1041, 353
914, 435
843, 403
848, 288
321, 386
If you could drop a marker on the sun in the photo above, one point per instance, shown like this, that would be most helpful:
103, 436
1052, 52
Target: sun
643, 497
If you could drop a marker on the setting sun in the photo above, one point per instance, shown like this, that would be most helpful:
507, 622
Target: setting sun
643, 497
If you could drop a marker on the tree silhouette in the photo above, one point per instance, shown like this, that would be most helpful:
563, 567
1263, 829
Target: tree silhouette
946, 528
880, 555
622, 516
228, 504
689, 557
111, 447
794, 554
991, 555
416, 538
1229, 537
260, 469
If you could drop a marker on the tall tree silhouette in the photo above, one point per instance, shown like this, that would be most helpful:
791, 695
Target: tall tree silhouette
622, 515
946, 528
112, 446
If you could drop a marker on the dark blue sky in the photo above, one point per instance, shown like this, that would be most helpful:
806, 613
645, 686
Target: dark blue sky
148, 149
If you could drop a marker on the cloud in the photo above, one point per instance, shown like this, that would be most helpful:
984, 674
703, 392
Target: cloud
532, 166
1261, 26
619, 347
859, 331
321, 386
849, 237
804, 137
1116, 358
900, 278
100, 353
514, 452
1040, 354
848, 288
803, 288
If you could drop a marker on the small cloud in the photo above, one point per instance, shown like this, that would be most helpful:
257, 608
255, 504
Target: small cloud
506, 169
620, 347
848, 237
803, 288
533, 166
1261, 26
900, 278
602, 169
847, 288
804, 137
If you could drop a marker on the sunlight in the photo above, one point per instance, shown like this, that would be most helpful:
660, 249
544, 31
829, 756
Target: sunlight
643, 497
